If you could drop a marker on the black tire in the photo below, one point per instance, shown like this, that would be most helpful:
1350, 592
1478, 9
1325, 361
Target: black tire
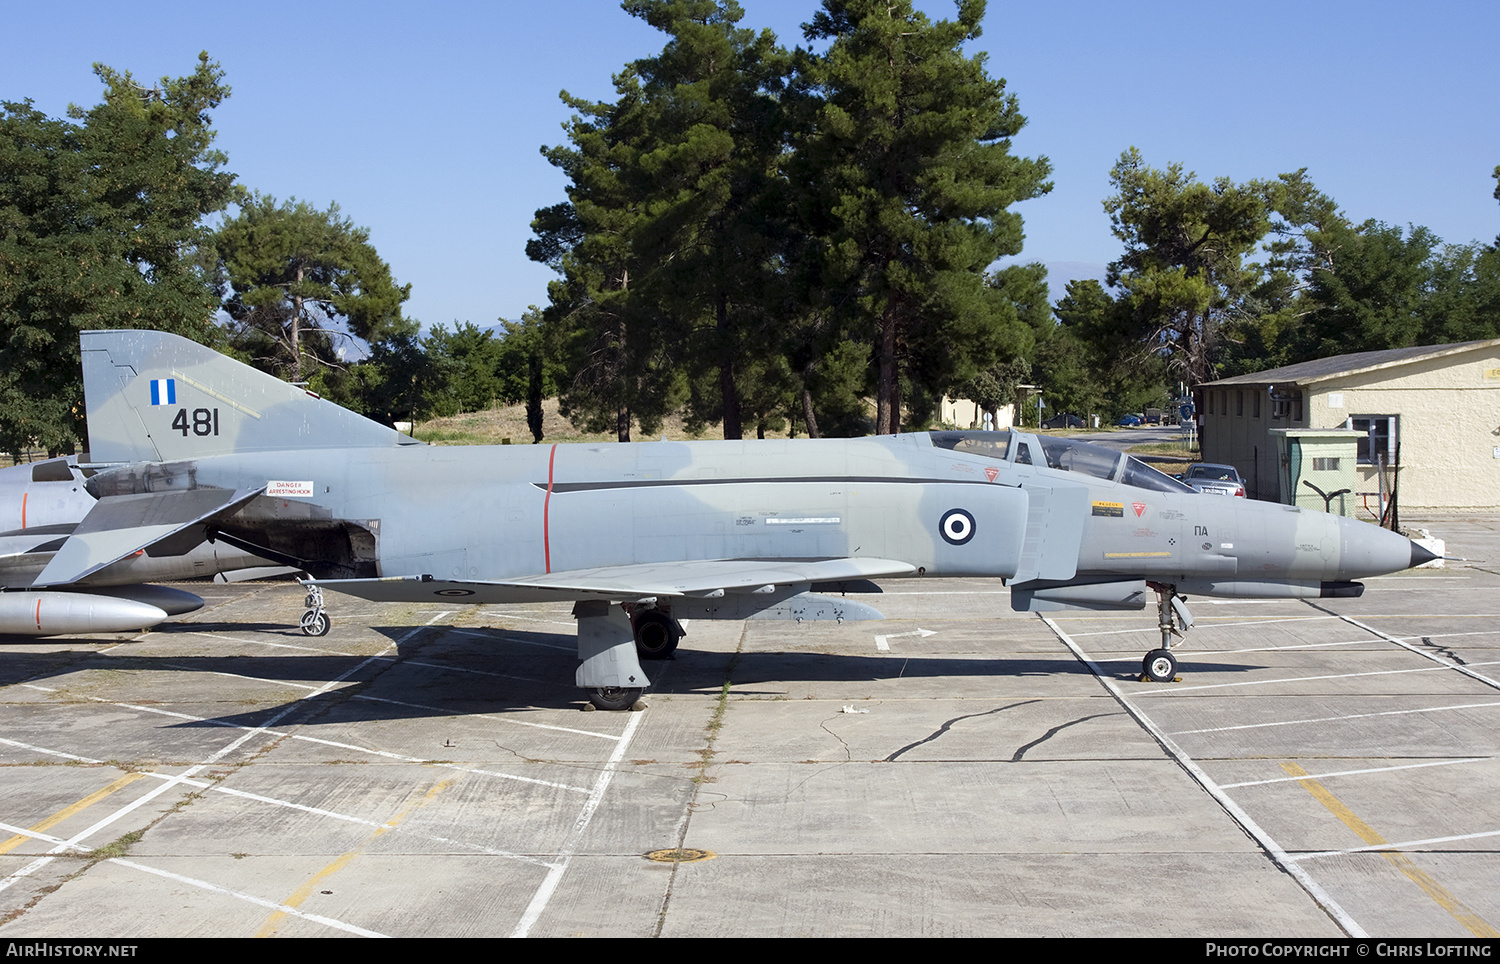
656, 634
315, 623
614, 697
1159, 666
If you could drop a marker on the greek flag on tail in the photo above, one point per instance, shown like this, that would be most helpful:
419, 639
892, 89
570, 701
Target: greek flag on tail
163, 391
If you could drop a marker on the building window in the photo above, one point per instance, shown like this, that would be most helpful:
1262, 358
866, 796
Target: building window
1256, 396
1323, 464
1379, 438
1239, 404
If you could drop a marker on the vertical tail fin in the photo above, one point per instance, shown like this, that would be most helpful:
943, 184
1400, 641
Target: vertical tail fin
155, 397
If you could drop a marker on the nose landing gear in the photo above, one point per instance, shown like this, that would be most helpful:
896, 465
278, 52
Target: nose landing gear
1173, 619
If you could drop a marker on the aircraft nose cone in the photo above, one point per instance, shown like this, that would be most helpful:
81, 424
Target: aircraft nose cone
1368, 550
1421, 554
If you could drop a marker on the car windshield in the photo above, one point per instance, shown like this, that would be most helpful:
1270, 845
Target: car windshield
1216, 473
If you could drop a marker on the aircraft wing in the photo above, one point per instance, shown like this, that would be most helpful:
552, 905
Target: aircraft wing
703, 579
120, 526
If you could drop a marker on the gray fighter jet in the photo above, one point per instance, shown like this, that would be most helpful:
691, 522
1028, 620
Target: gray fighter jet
41, 505
189, 444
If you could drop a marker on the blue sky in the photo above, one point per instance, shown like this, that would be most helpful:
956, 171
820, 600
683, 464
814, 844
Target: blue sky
424, 122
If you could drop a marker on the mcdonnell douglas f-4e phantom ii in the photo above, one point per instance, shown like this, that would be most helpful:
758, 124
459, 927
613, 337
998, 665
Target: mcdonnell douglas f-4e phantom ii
640, 536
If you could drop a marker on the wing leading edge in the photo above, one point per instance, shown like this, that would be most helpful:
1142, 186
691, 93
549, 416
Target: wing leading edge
703, 579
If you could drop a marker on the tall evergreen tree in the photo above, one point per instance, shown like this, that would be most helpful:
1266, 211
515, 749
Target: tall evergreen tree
667, 242
1390, 288
600, 327
526, 371
1325, 286
471, 359
1184, 272
298, 279
904, 152
1094, 342
101, 226
713, 202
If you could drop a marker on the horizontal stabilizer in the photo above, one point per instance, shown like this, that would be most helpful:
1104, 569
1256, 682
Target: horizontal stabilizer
121, 526
703, 579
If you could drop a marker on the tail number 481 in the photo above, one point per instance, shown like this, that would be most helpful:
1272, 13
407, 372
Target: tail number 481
204, 421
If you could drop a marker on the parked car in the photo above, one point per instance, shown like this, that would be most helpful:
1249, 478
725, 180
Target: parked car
1063, 421
1212, 479
1128, 421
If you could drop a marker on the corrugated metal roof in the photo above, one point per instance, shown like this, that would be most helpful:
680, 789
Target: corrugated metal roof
1321, 368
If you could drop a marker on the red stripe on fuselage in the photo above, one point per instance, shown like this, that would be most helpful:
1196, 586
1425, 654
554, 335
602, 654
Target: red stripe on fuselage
546, 509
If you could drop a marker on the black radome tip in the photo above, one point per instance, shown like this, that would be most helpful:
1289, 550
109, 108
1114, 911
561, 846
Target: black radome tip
1421, 554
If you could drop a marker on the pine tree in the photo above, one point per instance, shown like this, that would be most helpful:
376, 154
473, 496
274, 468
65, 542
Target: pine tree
1184, 272
101, 226
299, 279
903, 149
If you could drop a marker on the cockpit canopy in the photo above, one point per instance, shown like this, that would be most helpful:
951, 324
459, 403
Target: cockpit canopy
1066, 455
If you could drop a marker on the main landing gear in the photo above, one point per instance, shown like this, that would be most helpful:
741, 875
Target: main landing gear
1173, 619
612, 640
609, 668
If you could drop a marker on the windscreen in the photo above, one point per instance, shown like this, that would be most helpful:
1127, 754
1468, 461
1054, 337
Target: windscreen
1143, 476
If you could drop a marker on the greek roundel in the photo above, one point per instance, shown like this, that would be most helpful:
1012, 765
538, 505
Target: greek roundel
956, 527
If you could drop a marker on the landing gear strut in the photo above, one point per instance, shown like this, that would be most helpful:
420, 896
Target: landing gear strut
1173, 619
315, 621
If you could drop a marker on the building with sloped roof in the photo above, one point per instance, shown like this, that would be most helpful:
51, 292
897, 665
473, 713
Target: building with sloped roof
1426, 421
